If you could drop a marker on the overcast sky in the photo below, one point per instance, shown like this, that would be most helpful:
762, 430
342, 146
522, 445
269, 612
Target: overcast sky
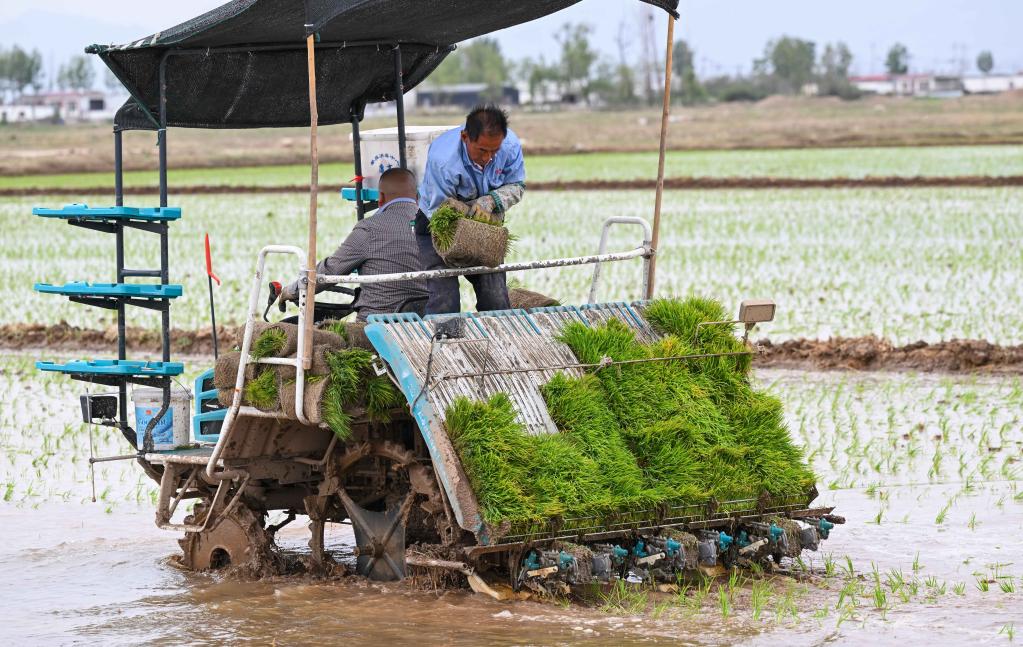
727, 34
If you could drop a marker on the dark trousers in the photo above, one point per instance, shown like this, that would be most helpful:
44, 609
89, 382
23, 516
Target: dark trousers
491, 289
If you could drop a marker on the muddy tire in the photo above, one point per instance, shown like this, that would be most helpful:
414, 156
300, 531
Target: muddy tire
236, 540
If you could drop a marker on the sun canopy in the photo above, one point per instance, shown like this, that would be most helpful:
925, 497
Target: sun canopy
243, 64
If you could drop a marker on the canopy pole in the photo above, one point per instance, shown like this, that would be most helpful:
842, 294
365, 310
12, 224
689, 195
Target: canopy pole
399, 105
314, 180
660, 161
360, 205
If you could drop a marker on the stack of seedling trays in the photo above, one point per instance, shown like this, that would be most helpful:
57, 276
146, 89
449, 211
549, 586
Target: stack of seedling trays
673, 437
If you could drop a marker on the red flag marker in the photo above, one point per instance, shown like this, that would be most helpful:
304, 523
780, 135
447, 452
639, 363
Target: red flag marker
210, 277
209, 261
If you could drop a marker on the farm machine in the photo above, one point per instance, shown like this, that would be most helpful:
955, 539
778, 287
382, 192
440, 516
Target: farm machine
400, 483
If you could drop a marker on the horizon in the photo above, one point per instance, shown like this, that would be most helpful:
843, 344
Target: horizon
945, 39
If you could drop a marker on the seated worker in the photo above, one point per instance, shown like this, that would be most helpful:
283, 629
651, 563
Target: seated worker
383, 243
480, 163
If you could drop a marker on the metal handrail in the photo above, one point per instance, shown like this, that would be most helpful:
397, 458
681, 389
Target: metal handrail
236, 402
644, 251
647, 235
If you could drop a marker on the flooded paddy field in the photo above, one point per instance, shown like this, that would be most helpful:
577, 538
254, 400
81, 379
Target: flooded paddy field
902, 264
926, 469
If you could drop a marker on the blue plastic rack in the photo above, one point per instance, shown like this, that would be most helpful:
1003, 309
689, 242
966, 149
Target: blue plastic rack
368, 195
111, 290
85, 212
114, 367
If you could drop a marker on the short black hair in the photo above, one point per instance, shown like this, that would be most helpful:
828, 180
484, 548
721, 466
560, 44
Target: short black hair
486, 119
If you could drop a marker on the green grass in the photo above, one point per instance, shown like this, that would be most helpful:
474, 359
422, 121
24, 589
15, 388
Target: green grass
353, 382
261, 392
933, 161
269, 343
442, 226
659, 432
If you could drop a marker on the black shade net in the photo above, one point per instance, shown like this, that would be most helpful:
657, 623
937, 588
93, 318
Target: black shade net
243, 64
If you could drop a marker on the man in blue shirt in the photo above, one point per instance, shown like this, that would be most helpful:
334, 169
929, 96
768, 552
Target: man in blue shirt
479, 163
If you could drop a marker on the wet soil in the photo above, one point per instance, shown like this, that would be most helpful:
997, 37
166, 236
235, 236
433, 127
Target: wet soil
701, 183
874, 354
103, 573
838, 353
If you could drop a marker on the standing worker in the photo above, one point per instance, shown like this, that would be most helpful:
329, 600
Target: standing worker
479, 163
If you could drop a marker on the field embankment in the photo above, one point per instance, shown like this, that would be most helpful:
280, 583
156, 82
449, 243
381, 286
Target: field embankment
783, 168
774, 123
839, 353
681, 183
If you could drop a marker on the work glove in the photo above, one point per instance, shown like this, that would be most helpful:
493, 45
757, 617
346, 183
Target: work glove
485, 209
290, 293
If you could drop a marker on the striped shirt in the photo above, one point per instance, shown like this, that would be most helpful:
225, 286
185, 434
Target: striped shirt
384, 243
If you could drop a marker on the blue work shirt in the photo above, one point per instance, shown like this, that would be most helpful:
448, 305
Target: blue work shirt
451, 174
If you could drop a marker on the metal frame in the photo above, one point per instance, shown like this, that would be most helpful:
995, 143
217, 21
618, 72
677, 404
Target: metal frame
644, 251
298, 362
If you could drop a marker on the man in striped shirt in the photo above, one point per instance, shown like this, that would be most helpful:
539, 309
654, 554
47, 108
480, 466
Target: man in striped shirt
384, 243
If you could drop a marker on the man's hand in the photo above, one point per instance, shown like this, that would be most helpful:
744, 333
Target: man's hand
290, 292
486, 203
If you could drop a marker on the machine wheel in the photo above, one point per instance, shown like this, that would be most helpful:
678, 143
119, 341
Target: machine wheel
236, 539
389, 496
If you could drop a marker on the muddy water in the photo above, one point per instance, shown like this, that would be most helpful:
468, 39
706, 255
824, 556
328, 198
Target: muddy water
924, 467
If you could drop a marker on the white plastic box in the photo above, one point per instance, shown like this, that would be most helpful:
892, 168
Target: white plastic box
380, 151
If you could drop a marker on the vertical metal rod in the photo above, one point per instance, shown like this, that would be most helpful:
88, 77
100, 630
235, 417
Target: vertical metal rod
147, 442
118, 171
165, 279
651, 277
314, 159
399, 104
360, 207
122, 351
161, 134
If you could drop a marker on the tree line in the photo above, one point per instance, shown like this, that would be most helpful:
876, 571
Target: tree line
580, 73
22, 71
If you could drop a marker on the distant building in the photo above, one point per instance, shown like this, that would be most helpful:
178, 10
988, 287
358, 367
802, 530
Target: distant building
909, 85
88, 105
992, 83
20, 113
465, 95
874, 84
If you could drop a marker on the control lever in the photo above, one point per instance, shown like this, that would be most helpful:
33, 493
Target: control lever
275, 292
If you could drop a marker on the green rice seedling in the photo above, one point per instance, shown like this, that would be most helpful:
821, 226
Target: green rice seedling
261, 391
381, 397
829, 565
724, 602
442, 226
916, 562
1007, 585
622, 597
880, 598
337, 327
1008, 630
759, 596
353, 381
269, 343
847, 568
943, 513
959, 588
660, 609
983, 585
495, 455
